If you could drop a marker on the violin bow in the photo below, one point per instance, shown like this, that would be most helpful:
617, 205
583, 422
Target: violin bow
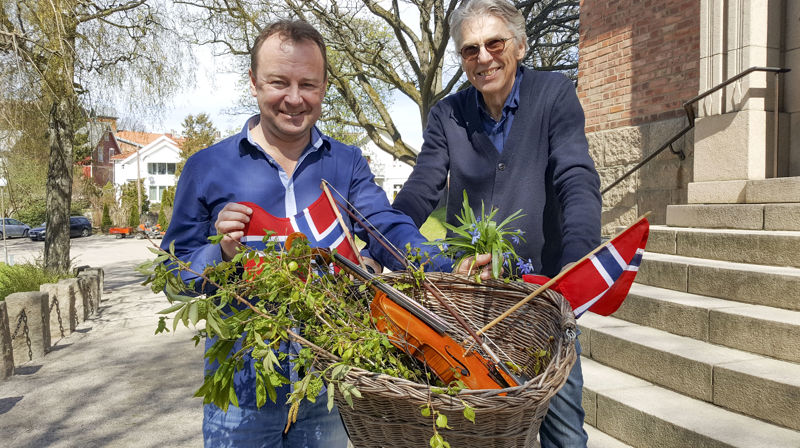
432, 290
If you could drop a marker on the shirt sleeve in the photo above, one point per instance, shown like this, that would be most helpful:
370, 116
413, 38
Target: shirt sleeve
191, 224
397, 228
575, 179
421, 192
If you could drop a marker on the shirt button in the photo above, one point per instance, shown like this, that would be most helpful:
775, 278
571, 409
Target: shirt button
501, 166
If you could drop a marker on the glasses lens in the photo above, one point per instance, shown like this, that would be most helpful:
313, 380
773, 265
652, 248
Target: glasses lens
495, 45
470, 51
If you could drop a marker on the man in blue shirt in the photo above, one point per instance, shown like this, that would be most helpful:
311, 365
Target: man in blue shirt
278, 161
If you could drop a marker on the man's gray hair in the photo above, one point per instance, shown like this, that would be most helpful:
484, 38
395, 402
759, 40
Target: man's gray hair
502, 9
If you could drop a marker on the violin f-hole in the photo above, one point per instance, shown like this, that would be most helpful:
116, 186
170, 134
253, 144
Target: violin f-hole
464, 369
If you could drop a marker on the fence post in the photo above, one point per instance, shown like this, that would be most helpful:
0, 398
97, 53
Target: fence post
6, 352
29, 322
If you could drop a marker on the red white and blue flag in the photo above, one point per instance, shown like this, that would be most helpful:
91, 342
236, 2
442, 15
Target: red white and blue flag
318, 222
601, 281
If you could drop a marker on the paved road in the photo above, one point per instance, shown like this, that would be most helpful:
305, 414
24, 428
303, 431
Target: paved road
112, 383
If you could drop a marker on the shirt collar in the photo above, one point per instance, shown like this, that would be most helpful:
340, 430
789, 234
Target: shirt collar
317, 137
512, 101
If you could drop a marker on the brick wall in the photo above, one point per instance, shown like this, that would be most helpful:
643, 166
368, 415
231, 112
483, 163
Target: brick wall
638, 60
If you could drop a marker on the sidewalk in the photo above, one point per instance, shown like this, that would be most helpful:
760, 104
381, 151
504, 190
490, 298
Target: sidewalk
112, 383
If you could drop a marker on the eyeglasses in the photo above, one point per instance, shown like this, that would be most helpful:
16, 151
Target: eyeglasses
494, 47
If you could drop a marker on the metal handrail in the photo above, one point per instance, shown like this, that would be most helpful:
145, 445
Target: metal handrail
688, 107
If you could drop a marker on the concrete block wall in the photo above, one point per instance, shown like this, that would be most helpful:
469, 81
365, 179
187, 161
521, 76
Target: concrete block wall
29, 323
662, 182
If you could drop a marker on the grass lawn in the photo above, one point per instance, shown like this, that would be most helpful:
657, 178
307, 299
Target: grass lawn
432, 228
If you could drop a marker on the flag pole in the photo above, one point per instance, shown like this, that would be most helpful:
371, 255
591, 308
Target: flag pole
541, 289
324, 186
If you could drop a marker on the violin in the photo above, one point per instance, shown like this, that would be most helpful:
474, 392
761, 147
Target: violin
421, 333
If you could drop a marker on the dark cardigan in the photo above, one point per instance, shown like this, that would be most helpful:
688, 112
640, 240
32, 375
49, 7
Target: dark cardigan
545, 170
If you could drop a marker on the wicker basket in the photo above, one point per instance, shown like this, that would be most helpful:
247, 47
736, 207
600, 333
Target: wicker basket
388, 414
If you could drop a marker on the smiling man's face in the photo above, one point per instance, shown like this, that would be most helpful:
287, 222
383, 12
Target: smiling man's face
492, 75
289, 87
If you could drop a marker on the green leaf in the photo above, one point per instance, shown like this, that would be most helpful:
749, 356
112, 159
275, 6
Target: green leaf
331, 392
171, 309
425, 411
193, 316
469, 413
441, 421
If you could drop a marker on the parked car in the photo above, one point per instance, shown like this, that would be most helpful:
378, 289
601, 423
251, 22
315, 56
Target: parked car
14, 228
78, 226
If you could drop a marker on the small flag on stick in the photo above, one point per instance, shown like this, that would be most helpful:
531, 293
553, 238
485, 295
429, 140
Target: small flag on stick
601, 280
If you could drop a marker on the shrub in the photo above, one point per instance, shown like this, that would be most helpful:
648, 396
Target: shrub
105, 223
24, 277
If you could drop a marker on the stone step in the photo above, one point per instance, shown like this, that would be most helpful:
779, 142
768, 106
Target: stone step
599, 439
735, 216
773, 286
759, 191
752, 384
644, 415
774, 248
758, 329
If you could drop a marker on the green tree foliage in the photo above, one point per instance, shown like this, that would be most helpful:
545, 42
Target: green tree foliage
198, 133
58, 56
106, 221
377, 49
165, 210
129, 202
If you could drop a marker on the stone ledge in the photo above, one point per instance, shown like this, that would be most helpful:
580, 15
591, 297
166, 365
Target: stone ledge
717, 216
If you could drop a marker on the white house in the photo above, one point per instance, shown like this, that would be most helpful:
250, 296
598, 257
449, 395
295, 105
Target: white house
155, 163
390, 173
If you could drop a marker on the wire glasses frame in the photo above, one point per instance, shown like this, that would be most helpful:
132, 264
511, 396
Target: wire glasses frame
494, 47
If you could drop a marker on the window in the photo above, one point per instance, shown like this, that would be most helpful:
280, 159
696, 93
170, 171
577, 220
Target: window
160, 168
100, 154
156, 191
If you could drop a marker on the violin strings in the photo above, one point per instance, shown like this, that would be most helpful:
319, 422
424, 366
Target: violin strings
372, 226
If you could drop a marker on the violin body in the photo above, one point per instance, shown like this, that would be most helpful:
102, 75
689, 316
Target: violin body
439, 352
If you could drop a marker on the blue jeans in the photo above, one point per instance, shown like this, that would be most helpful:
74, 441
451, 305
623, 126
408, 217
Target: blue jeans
563, 425
263, 428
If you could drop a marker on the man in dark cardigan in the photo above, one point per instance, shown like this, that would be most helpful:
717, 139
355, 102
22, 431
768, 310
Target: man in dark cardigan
513, 140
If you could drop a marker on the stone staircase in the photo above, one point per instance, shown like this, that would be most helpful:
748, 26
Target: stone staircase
705, 351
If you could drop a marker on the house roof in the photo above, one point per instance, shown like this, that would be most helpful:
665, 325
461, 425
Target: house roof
156, 144
142, 138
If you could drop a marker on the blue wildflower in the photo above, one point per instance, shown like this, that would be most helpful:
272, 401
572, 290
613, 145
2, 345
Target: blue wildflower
445, 247
525, 267
476, 234
515, 239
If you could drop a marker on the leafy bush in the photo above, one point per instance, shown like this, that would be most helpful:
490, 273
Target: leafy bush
24, 277
106, 220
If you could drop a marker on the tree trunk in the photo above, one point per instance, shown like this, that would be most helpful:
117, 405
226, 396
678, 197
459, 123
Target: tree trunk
59, 185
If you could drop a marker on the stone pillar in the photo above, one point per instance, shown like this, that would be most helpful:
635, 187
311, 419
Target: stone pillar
84, 295
734, 137
29, 322
6, 352
77, 314
59, 307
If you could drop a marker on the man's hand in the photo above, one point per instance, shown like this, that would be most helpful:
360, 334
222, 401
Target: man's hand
231, 221
483, 262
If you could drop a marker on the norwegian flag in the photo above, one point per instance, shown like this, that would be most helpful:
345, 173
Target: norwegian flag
601, 281
318, 222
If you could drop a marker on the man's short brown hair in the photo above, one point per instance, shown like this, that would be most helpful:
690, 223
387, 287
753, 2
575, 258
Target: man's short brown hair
295, 31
